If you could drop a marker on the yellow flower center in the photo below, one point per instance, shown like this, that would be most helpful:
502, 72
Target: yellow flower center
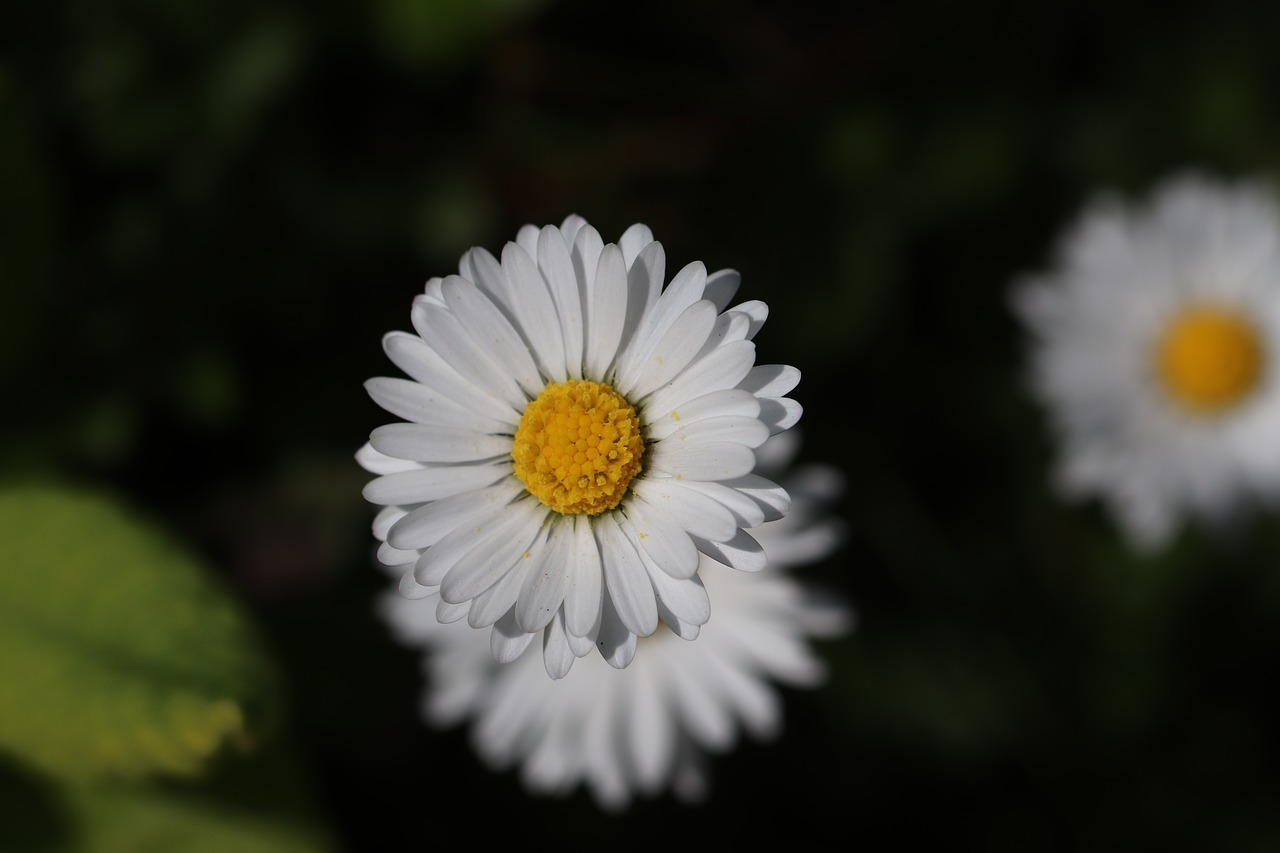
578, 446
1209, 359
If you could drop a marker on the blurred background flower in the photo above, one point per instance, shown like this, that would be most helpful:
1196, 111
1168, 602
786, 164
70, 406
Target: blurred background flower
212, 212
1152, 347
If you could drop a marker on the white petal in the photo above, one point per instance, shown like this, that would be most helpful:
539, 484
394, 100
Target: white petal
633, 240
557, 268
644, 284
608, 306
479, 266
746, 512
685, 598
683, 630
584, 249
385, 519
557, 657
684, 290
492, 333
583, 597
650, 734
546, 579
756, 312
492, 522
696, 512
723, 403
431, 292
705, 718
412, 355
603, 765
527, 239
428, 443
582, 646
771, 380
723, 367
378, 463
730, 326
779, 413
477, 364
421, 404
739, 429
721, 287
665, 542
772, 499
742, 552
409, 587
752, 699
535, 311
506, 641
616, 643
489, 606
701, 460
493, 556
570, 226
446, 612
394, 557
643, 372
429, 484
625, 578
426, 525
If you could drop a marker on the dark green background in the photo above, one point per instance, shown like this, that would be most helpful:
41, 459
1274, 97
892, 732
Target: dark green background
211, 212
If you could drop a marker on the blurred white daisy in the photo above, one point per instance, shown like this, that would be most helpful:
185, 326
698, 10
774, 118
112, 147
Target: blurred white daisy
577, 435
1154, 347
650, 727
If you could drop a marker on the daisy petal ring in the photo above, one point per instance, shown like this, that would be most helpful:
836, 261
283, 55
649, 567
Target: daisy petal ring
574, 436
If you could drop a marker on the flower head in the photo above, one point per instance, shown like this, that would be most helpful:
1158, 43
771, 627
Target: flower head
576, 436
649, 727
1154, 349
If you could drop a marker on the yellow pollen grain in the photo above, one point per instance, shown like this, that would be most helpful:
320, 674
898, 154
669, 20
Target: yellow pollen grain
1209, 359
577, 447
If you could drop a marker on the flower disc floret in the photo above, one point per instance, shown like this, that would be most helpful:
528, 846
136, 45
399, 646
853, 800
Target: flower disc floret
1209, 359
577, 447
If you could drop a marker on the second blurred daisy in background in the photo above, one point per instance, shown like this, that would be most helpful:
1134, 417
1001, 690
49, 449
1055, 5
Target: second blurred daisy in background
1154, 340
648, 728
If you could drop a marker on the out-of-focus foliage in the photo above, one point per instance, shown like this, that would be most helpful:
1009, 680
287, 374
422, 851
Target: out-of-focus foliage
121, 657
132, 819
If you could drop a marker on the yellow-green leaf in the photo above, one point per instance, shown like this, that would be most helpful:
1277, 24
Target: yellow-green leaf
140, 819
120, 654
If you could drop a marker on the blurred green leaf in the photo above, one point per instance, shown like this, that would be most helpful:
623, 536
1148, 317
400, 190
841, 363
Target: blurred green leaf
143, 818
119, 654
443, 30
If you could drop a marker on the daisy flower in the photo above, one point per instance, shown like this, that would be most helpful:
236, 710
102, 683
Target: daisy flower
576, 436
1154, 346
650, 727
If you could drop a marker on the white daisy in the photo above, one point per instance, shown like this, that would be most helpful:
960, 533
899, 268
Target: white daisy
1154, 347
648, 728
577, 435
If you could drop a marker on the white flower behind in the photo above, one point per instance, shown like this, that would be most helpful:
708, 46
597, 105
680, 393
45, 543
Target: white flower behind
1154, 347
648, 728
576, 436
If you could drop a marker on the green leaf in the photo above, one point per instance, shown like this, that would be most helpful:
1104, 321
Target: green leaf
120, 655
116, 818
